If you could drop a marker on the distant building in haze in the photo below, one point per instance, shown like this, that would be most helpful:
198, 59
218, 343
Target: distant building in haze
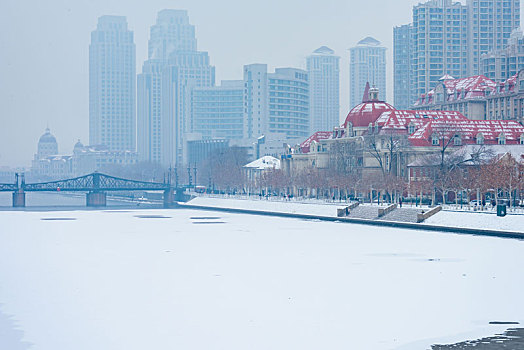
324, 74
173, 69
112, 89
218, 111
367, 64
500, 65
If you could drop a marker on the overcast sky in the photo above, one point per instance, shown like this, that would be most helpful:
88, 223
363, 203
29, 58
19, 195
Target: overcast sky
44, 46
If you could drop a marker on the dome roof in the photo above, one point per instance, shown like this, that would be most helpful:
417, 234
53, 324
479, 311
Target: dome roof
47, 137
367, 112
79, 145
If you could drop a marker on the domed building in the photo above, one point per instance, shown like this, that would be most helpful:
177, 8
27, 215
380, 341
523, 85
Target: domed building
47, 145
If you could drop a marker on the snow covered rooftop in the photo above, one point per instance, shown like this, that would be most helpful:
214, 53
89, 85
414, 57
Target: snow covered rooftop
266, 162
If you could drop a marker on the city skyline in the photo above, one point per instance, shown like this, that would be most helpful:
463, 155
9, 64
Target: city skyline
63, 54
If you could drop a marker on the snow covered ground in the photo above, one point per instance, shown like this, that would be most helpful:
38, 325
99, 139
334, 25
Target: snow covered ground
488, 221
191, 279
320, 208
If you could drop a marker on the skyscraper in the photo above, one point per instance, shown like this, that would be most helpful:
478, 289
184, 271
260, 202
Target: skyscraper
403, 92
324, 74
440, 37
499, 65
490, 25
367, 64
276, 102
174, 67
112, 85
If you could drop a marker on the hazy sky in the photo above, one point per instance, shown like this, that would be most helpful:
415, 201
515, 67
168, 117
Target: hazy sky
44, 46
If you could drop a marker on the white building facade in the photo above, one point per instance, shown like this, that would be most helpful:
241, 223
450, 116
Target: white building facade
324, 88
367, 64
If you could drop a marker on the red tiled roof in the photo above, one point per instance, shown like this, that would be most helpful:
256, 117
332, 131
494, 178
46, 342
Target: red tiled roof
468, 130
367, 112
318, 136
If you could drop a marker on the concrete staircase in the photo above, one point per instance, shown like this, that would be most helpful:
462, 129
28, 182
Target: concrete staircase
364, 212
402, 215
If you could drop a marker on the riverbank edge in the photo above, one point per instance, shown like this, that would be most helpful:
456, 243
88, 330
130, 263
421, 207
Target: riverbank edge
395, 224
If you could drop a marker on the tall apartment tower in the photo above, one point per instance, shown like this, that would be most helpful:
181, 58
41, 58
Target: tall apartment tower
367, 64
174, 67
499, 65
112, 88
402, 57
324, 87
275, 102
490, 25
440, 38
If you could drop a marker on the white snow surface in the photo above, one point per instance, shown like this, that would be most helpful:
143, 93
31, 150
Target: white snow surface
478, 220
271, 205
112, 280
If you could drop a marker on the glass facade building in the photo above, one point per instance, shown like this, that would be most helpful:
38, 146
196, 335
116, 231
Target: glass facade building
112, 88
402, 57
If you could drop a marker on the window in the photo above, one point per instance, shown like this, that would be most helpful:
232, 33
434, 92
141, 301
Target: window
411, 128
480, 139
435, 140
457, 140
522, 139
502, 139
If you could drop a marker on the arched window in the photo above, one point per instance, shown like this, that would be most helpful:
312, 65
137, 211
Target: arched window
522, 138
480, 139
435, 140
502, 139
370, 128
457, 140
411, 128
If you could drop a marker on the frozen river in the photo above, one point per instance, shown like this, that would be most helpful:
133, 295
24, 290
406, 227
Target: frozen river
185, 279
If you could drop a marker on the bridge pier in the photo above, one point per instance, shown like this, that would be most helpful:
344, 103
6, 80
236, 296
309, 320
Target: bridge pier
96, 199
169, 198
19, 199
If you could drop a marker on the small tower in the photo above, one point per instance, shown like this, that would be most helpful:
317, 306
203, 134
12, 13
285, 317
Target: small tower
373, 94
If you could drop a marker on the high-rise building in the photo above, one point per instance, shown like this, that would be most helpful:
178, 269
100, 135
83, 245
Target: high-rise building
218, 111
490, 25
112, 74
324, 74
275, 102
500, 65
367, 64
440, 38
174, 67
403, 91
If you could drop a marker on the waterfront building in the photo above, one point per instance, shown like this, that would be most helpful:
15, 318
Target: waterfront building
402, 59
490, 25
324, 74
378, 139
173, 69
502, 64
275, 102
218, 111
112, 89
367, 64
477, 97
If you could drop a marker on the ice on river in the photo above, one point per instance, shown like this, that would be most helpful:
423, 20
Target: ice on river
189, 279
